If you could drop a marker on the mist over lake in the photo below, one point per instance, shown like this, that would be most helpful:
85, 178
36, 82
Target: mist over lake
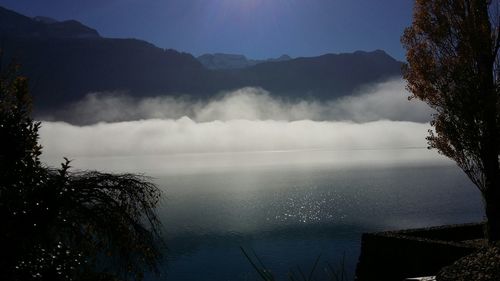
290, 180
369, 102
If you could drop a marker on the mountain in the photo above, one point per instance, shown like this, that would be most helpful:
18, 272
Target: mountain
17, 25
64, 70
322, 77
67, 60
45, 20
219, 61
280, 58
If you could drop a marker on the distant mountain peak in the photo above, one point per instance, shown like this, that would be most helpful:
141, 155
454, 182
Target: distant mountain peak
45, 20
284, 57
71, 29
218, 61
13, 24
236, 56
377, 52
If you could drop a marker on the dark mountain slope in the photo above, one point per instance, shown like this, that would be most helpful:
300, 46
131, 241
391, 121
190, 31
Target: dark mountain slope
64, 70
66, 60
17, 25
220, 61
323, 77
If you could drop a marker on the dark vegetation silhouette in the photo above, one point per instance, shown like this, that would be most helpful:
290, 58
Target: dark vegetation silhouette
453, 66
63, 225
317, 271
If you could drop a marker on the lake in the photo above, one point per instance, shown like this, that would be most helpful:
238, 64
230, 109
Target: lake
291, 206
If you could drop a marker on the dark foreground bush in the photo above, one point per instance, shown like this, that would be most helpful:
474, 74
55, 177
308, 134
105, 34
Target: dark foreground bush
63, 225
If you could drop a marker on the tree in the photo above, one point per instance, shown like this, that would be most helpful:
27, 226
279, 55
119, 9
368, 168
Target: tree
453, 65
63, 225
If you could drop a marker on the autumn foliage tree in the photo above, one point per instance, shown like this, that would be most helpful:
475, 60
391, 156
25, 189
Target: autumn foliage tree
453, 65
57, 224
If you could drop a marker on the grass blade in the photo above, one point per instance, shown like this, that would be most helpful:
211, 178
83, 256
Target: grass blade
262, 273
314, 268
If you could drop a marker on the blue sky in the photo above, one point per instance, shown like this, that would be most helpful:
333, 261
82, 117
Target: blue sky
255, 28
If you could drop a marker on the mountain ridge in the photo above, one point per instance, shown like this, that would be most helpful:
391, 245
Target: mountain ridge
67, 60
17, 25
219, 61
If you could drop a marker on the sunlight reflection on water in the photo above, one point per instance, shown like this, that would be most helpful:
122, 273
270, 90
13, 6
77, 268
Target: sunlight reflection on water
291, 206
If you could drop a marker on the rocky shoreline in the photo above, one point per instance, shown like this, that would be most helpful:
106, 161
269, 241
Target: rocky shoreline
483, 265
397, 255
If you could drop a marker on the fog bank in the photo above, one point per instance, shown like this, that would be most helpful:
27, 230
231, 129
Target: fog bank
184, 135
386, 101
246, 120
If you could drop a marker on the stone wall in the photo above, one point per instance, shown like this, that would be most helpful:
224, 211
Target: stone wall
396, 255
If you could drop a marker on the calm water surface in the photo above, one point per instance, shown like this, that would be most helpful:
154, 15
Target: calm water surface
291, 206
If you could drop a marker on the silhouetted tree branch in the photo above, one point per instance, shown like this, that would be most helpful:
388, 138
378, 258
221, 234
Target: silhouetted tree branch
63, 225
453, 65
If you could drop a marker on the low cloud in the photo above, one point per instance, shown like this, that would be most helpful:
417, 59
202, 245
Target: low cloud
246, 120
384, 101
184, 135
387, 101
